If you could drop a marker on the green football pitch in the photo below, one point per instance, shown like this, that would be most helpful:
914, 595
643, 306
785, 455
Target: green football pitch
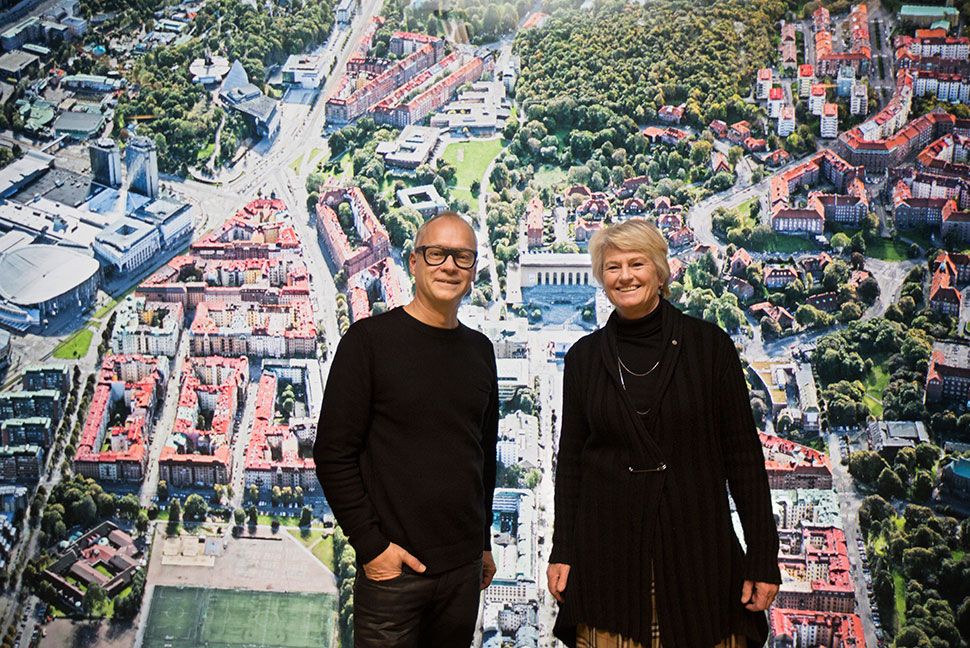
192, 617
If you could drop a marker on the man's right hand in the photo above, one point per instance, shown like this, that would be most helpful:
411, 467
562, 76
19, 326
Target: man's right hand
557, 575
388, 564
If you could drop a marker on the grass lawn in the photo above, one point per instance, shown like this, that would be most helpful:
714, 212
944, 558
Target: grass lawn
549, 175
387, 184
876, 382
323, 550
879, 545
306, 536
467, 196
206, 153
786, 243
295, 164
475, 157
104, 310
900, 598
887, 250
346, 167
918, 237
107, 308
875, 407
109, 607
744, 209
315, 152
75, 346
284, 521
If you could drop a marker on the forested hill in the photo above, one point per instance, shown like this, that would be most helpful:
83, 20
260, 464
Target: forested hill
634, 59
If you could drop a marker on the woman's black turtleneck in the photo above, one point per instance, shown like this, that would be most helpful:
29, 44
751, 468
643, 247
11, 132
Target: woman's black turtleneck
639, 343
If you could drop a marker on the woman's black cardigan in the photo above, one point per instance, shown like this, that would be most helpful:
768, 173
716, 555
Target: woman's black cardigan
627, 499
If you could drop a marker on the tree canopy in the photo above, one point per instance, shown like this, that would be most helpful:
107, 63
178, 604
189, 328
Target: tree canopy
635, 59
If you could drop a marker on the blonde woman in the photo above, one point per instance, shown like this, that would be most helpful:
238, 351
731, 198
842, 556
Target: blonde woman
656, 428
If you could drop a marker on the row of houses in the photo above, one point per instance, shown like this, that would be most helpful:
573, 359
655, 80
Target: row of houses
27, 420
368, 81
887, 139
116, 434
245, 288
212, 390
847, 207
859, 53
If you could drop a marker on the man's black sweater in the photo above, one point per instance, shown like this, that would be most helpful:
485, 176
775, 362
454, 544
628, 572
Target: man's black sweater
405, 447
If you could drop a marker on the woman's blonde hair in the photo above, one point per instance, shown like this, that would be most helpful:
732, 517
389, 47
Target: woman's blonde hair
632, 236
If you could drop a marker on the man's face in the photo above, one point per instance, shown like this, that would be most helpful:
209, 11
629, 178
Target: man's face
444, 284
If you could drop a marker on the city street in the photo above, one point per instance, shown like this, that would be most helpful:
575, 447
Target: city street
849, 503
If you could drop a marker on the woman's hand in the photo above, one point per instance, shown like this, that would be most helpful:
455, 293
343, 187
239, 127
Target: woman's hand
757, 596
556, 576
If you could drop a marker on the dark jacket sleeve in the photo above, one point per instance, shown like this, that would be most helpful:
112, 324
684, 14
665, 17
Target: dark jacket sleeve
341, 434
572, 438
489, 440
744, 466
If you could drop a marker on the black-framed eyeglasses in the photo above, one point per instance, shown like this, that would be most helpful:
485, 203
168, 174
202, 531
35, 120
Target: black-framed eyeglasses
435, 255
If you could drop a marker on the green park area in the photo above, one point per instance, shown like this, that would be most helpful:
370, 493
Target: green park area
886, 249
319, 545
323, 550
191, 617
75, 346
744, 211
548, 175
470, 159
876, 382
900, 586
306, 536
788, 244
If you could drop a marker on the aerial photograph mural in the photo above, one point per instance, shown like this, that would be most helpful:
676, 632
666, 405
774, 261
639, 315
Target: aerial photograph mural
504, 324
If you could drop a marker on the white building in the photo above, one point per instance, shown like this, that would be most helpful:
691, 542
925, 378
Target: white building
513, 549
345, 12
806, 78
304, 70
763, 84
147, 328
127, 244
953, 88
816, 99
829, 125
517, 434
513, 374
859, 103
174, 220
555, 268
786, 121
776, 98
806, 506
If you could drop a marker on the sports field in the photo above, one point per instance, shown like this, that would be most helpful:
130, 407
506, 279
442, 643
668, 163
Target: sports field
192, 617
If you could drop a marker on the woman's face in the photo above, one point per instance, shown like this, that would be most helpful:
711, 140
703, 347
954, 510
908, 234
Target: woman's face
631, 281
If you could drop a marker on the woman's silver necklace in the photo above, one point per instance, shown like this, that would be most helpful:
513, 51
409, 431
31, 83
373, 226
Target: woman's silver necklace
632, 372
622, 367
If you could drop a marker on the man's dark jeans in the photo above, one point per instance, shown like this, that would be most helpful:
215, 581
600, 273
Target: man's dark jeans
417, 611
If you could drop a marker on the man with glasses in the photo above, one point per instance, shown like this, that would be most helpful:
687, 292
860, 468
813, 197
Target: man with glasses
405, 452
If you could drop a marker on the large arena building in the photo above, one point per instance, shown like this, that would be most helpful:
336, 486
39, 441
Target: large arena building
38, 281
